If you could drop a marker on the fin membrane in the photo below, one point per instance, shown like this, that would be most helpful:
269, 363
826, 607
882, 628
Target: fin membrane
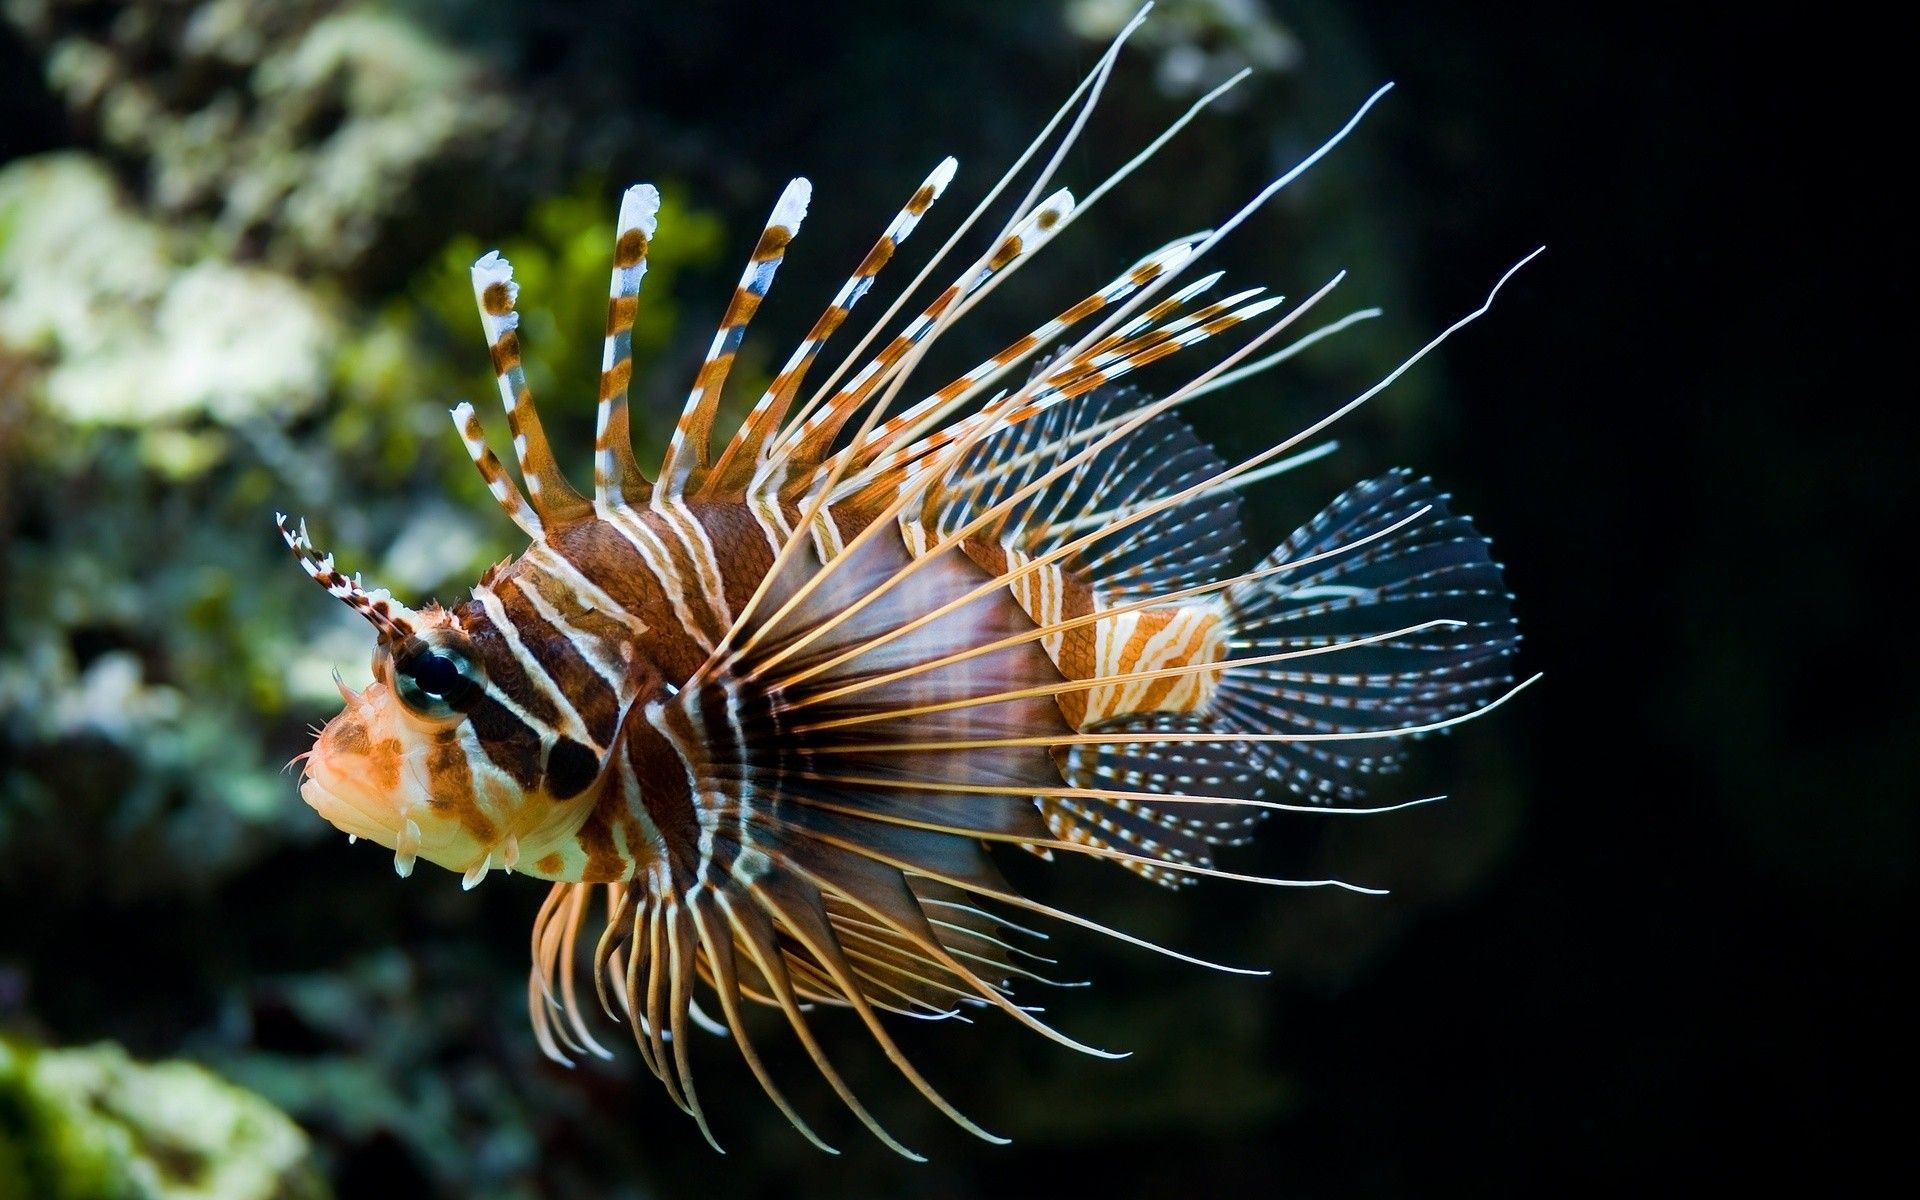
1180, 830
1186, 544
1437, 566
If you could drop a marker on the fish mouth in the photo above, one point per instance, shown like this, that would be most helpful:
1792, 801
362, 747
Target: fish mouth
353, 819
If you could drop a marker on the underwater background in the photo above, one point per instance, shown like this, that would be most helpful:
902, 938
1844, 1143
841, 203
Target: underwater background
1654, 935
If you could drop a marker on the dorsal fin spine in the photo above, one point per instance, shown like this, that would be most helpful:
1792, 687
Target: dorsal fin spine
616, 476
552, 497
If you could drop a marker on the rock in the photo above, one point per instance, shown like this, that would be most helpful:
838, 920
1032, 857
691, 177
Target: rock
93, 1124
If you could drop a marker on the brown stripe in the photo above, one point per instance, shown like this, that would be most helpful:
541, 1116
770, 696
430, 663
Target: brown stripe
607, 632
614, 381
922, 200
503, 666
450, 788
517, 419
497, 299
505, 352
508, 741
739, 548
745, 304
666, 795
604, 864
713, 372
1017, 349
574, 678
1008, 251
1084, 385
1083, 310
630, 249
829, 321
1154, 355
620, 313
604, 555
773, 243
876, 258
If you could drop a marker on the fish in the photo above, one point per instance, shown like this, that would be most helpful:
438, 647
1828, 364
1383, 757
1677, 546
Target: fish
773, 716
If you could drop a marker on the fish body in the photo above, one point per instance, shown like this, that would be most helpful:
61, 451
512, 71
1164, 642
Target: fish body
776, 707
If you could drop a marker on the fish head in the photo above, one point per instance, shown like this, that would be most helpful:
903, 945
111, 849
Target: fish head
436, 760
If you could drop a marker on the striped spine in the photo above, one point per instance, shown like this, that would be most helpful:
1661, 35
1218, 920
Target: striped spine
690, 447
616, 477
755, 436
552, 497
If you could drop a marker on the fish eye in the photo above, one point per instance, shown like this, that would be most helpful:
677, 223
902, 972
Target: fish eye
436, 675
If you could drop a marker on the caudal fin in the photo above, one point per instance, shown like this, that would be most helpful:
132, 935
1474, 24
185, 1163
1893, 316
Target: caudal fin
1413, 561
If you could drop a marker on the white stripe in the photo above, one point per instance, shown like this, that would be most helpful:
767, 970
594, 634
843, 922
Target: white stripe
536, 672
579, 638
655, 556
585, 592
700, 549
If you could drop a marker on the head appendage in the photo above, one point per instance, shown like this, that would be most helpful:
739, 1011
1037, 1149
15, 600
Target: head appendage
690, 450
395, 621
552, 497
617, 478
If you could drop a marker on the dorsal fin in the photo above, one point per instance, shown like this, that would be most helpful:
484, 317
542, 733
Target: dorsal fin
616, 477
808, 444
1181, 546
901, 429
743, 454
690, 451
552, 497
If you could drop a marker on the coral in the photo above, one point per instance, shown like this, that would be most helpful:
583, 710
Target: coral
311, 135
92, 1124
134, 327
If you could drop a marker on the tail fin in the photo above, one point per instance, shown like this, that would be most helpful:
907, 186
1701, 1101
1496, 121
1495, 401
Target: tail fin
1434, 566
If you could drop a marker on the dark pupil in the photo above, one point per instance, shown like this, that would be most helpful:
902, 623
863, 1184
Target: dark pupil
435, 673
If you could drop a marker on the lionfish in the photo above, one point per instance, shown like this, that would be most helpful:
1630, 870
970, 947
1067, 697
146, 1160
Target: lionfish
780, 705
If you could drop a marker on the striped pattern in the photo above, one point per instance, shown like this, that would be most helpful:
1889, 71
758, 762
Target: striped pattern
616, 476
771, 714
869, 460
499, 484
1110, 359
394, 620
813, 435
745, 452
494, 290
689, 449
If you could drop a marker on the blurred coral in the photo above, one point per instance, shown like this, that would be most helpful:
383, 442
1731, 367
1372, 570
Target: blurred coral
92, 1124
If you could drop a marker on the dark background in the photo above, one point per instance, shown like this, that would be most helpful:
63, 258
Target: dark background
1675, 962
1686, 974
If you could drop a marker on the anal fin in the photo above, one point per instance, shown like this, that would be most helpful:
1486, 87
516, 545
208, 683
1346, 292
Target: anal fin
1179, 830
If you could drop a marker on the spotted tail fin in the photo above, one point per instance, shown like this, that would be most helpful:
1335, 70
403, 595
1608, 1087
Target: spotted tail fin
1367, 650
